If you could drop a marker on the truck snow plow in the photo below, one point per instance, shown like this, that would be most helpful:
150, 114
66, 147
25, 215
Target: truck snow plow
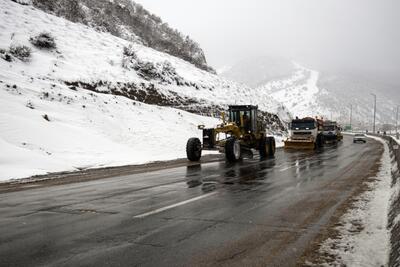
305, 133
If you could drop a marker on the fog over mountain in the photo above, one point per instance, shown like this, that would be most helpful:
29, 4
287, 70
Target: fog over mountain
358, 35
327, 93
255, 71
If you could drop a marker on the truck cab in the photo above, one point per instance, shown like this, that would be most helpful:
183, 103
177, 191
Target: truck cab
306, 128
304, 133
331, 132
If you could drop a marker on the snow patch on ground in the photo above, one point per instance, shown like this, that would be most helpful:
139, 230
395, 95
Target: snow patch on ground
364, 238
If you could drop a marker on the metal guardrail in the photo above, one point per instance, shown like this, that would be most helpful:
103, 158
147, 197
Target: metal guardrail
393, 146
393, 225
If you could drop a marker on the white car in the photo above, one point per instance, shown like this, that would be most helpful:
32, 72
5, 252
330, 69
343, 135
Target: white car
360, 138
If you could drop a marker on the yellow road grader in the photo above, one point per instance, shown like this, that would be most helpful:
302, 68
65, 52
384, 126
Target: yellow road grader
242, 132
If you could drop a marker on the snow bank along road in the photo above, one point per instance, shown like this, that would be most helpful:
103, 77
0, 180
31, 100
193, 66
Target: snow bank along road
252, 213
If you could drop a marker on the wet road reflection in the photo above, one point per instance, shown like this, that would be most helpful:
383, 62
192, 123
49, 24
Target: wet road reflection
264, 210
288, 165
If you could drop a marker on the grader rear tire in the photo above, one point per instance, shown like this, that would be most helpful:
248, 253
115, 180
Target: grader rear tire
266, 148
193, 149
232, 150
272, 146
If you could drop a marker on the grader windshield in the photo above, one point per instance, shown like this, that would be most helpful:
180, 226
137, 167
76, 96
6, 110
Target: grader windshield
244, 116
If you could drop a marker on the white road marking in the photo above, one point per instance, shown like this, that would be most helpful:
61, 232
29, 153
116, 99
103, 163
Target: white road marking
140, 216
287, 168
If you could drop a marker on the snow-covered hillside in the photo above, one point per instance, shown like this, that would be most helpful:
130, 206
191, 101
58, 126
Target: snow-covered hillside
299, 93
76, 106
47, 128
94, 58
308, 92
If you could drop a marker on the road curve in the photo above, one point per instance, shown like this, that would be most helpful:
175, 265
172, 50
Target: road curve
253, 213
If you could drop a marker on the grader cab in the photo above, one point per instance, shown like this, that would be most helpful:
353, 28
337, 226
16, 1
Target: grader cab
242, 132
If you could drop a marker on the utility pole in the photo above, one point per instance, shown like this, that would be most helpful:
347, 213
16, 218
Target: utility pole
351, 117
397, 122
374, 128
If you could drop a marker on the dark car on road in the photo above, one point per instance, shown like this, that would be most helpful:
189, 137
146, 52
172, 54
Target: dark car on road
360, 138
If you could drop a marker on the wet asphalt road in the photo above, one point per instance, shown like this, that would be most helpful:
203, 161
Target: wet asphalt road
254, 213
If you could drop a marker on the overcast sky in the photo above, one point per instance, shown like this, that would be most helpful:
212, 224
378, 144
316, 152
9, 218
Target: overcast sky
356, 34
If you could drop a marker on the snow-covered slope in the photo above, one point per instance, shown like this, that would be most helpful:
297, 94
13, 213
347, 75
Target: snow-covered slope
299, 93
92, 57
130, 21
308, 92
47, 128
60, 109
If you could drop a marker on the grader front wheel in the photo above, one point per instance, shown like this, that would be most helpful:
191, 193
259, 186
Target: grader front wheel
193, 149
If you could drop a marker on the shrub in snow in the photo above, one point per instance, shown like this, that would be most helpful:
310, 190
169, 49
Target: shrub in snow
72, 9
30, 105
46, 117
23, 2
148, 70
43, 40
168, 69
163, 72
144, 69
5, 55
129, 51
21, 52
129, 58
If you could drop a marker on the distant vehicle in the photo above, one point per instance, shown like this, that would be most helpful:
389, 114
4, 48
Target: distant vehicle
359, 138
332, 132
